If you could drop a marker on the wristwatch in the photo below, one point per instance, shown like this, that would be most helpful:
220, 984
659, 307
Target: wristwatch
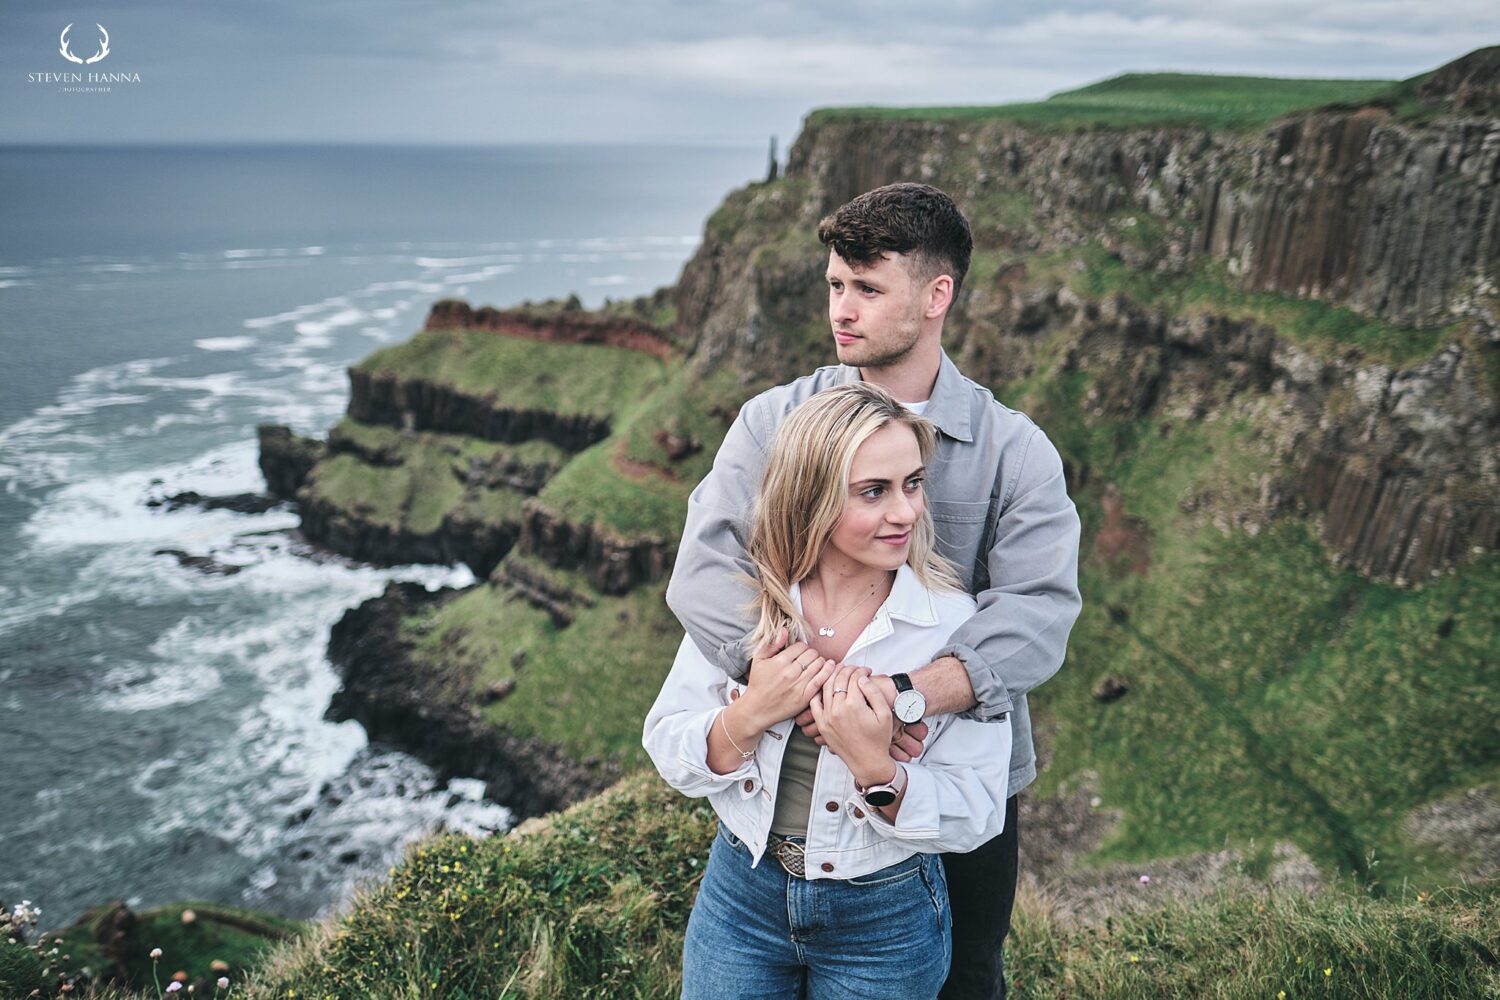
884, 795
910, 706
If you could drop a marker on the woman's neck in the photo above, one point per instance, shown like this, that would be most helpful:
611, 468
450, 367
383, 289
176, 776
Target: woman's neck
841, 583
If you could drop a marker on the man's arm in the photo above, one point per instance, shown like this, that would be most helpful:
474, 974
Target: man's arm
1019, 634
707, 592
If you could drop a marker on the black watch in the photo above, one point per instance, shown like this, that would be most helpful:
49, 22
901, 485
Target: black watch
910, 706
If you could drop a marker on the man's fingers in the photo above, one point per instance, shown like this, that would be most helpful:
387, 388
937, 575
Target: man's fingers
918, 731
805, 719
906, 747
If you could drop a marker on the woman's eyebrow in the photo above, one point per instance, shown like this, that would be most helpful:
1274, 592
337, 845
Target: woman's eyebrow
876, 479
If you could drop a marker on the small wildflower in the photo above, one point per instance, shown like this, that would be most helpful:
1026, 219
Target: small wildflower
188, 916
1145, 879
1281, 995
223, 983
1328, 971
219, 965
1135, 958
173, 986
156, 953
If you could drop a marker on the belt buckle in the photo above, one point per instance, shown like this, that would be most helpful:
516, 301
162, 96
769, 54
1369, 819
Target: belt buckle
791, 856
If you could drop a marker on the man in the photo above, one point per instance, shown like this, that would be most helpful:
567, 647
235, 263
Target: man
897, 258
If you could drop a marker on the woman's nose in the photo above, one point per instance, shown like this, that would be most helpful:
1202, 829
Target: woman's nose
902, 511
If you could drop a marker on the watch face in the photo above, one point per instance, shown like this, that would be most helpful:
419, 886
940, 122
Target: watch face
878, 797
909, 706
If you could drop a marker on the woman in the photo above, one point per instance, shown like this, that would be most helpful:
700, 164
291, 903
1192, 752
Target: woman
824, 881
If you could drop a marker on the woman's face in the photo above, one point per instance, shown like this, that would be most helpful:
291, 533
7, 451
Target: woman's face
884, 501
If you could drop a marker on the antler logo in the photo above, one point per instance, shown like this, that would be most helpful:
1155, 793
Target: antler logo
67, 53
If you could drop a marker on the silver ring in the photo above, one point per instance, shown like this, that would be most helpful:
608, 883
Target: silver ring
840, 690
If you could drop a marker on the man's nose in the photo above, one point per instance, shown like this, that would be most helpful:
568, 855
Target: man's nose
840, 308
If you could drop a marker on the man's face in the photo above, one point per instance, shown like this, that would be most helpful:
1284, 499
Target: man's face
875, 312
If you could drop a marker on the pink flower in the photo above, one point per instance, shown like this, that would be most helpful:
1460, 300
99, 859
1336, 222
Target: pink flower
1145, 879
173, 986
223, 983
156, 953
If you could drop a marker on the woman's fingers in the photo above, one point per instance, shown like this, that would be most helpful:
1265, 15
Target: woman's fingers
816, 675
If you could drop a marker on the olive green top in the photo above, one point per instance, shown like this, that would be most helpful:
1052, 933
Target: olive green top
794, 792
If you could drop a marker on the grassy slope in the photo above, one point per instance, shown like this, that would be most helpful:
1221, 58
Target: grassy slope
1273, 695
566, 379
423, 486
1135, 100
595, 902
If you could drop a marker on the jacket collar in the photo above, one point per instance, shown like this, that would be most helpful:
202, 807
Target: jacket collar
949, 403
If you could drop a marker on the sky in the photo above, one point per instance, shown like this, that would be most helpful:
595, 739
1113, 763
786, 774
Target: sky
655, 71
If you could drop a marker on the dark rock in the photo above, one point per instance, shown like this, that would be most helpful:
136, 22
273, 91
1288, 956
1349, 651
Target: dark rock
1469, 84
676, 446
203, 564
611, 565
286, 458
240, 503
426, 711
497, 691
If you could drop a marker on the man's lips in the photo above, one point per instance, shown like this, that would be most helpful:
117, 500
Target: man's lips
844, 336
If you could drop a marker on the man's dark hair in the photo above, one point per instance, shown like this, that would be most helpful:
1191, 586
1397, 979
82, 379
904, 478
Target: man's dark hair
913, 219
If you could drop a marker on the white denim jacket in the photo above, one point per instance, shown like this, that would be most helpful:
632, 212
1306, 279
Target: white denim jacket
955, 793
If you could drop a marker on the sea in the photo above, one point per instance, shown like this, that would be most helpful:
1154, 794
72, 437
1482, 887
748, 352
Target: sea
161, 727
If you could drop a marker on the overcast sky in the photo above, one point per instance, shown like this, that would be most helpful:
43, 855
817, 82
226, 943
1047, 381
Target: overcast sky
659, 70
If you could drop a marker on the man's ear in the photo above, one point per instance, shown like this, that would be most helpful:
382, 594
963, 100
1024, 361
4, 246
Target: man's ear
939, 296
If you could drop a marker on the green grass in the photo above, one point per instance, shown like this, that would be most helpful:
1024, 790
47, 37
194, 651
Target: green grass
1136, 100
594, 903
417, 494
566, 379
1272, 694
1208, 289
585, 687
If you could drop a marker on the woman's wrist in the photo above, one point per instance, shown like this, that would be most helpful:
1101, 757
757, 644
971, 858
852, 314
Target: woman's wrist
742, 724
873, 772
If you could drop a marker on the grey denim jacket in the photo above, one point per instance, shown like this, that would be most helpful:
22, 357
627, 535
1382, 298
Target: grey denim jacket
1003, 519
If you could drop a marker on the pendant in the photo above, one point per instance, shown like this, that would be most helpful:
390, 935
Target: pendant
826, 631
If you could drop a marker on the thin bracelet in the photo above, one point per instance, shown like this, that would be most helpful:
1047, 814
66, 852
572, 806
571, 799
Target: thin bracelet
725, 726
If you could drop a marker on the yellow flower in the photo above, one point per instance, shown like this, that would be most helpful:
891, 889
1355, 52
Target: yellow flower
1135, 958
1281, 995
1328, 971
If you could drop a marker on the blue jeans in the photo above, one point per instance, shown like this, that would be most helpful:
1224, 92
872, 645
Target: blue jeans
759, 933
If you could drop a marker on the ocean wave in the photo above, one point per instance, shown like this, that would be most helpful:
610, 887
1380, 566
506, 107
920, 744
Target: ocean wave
610, 279
224, 343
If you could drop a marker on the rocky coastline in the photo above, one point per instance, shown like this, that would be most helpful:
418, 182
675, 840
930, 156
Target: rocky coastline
431, 715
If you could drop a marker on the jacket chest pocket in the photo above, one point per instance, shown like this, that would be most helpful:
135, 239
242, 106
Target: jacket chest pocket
960, 527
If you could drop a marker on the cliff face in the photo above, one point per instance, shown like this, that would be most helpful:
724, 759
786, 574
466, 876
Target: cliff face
1393, 221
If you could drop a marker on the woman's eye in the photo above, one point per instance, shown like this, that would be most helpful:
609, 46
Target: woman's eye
913, 485
873, 492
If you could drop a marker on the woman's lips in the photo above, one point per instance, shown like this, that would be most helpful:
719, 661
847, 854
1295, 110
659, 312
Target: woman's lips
894, 539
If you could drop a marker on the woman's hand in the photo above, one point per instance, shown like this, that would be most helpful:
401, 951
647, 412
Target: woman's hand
854, 718
782, 681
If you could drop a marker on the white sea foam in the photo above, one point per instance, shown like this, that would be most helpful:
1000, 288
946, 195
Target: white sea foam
224, 343
15, 282
439, 263
610, 279
481, 275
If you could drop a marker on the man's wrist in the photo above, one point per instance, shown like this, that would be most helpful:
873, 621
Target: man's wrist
945, 685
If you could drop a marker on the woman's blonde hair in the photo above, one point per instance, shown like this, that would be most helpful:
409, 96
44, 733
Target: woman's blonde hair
803, 493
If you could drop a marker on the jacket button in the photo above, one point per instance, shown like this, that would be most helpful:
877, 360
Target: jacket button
827, 867
832, 807
749, 784
859, 813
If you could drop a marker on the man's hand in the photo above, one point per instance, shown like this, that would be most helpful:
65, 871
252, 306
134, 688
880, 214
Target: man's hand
906, 740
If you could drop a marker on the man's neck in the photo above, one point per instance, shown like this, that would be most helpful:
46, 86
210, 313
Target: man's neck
911, 379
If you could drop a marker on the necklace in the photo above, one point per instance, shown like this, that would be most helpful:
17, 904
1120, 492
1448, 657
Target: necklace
828, 630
